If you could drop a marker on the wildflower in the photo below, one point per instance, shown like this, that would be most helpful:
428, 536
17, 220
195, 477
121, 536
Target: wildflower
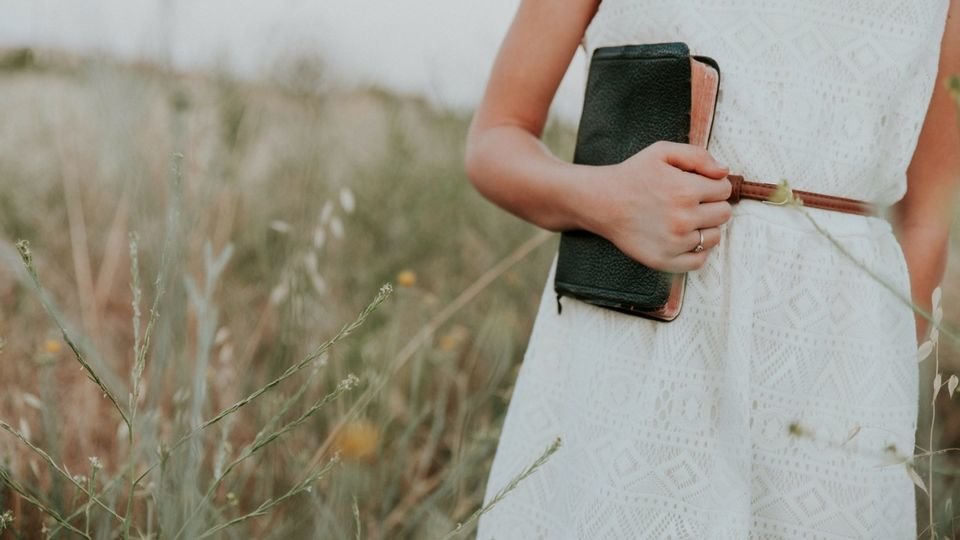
23, 246
937, 314
6, 519
853, 433
351, 381
453, 338
892, 455
336, 227
223, 334
226, 354
95, 463
319, 284
407, 278
32, 400
448, 343
319, 237
925, 348
281, 226
326, 213
279, 293
347, 201
358, 440
52, 346
25, 428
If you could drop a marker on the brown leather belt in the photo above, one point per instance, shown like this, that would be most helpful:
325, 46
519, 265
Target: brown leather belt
743, 189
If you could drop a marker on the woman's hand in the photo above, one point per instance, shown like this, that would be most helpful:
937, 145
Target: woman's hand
651, 205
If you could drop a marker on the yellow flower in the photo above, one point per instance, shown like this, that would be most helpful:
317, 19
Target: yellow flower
406, 278
52, 346
448, 343
452, 339
358, 440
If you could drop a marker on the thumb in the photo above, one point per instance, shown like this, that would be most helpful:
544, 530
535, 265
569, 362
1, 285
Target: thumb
692, 158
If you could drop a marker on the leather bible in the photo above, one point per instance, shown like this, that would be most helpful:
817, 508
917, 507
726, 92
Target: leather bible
635, 95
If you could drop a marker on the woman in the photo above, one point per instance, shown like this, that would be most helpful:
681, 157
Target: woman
777, 404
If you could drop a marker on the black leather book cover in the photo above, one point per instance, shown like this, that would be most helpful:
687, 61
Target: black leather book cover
635, 95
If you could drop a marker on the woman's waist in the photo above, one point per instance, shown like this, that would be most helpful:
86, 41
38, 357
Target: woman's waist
811, 219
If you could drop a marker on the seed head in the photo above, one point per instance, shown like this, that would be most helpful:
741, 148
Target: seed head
23, 246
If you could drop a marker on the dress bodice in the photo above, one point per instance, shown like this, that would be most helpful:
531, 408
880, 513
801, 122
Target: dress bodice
829, 94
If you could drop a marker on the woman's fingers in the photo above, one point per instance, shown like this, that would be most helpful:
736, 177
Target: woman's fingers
691, 158
711, 214
688, 241
654, 202
711, 237
708, 189
687, 260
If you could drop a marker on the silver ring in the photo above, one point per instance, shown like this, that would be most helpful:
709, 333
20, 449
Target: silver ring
699, 247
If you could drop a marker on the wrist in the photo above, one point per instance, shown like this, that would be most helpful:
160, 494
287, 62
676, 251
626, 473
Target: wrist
577, 197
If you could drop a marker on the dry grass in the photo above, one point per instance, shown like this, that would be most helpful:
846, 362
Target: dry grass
320, 199
292, 205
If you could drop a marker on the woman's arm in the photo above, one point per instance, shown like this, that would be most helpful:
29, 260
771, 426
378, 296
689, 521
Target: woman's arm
505, 158
650, 206
922, 218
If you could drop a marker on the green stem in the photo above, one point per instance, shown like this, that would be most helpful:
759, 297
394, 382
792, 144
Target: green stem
263, 440
346, 330
23, 247
22, 491
268, 505
49, 460
554, 446
86, 508
128, 514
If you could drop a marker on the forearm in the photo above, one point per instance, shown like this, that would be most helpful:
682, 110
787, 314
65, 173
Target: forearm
925, 251
514, 169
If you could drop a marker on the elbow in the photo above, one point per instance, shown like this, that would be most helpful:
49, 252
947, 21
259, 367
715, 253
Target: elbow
473, 159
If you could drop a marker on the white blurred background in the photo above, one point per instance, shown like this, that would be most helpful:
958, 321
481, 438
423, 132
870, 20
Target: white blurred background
439, 48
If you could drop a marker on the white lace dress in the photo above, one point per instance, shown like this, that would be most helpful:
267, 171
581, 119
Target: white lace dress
682, 429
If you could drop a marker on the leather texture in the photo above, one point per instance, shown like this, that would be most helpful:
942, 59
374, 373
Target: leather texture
761, 191
635, 95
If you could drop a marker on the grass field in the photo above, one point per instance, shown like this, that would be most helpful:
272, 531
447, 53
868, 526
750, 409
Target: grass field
282, 208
